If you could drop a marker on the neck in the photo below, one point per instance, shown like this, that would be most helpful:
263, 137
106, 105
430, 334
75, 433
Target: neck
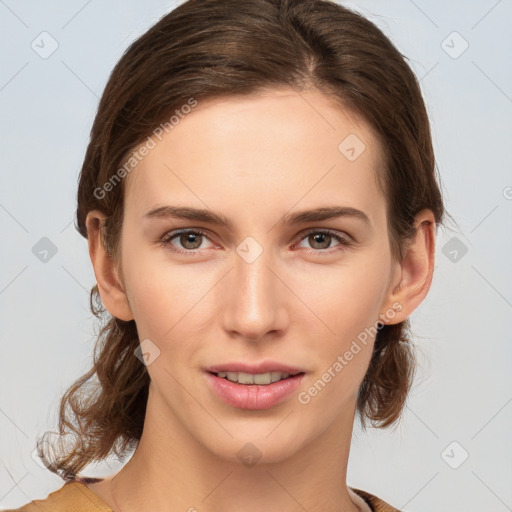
176, 472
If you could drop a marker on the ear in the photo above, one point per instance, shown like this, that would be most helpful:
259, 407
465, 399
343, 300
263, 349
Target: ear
413, 275
110, 286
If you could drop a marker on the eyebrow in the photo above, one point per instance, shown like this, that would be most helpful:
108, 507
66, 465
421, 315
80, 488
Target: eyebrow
301, 217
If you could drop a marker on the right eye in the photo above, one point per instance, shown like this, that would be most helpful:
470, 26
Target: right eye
186, 237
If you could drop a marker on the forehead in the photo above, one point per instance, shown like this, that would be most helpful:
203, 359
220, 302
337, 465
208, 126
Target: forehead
275, 148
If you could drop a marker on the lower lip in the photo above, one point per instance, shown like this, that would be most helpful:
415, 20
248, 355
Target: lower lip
254, 396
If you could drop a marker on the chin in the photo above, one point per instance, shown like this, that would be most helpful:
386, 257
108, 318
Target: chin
257, 447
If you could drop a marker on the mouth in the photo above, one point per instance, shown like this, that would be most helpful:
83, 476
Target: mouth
251, 379
254, 391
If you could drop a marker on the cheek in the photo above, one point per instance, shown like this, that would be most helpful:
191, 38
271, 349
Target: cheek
346, 305
165, 298
341, 345
152, 290
346, 299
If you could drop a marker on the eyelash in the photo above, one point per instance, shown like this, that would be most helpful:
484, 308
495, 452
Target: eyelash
166, 240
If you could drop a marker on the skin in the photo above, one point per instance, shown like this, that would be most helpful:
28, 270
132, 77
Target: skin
302, 301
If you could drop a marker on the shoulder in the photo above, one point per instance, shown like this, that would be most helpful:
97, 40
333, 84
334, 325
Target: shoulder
376, 504
77, 497
71, 497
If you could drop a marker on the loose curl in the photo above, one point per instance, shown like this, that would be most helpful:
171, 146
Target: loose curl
207, 49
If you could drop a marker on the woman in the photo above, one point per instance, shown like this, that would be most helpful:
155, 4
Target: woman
234, 139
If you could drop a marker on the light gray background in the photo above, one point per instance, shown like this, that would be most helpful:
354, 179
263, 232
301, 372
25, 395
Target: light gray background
462, 330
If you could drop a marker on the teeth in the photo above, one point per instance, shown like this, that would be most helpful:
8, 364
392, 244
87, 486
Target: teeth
249, 378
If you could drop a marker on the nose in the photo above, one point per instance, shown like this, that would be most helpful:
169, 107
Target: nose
254, 299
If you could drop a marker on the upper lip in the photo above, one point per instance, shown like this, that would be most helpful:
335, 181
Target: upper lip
262, 367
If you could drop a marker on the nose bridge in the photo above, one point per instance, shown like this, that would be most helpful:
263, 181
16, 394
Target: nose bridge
254, 298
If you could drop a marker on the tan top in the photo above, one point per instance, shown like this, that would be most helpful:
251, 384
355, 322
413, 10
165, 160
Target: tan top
77, 497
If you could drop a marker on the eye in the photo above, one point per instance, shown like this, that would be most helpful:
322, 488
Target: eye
321, 239
190, 240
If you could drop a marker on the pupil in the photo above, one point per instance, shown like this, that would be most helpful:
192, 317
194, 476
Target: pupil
321, 235
189, 238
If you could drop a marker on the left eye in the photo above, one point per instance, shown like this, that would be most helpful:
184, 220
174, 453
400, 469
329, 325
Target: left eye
321, 237
194, 238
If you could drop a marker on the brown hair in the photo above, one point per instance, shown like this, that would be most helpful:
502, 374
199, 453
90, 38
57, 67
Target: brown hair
218, 48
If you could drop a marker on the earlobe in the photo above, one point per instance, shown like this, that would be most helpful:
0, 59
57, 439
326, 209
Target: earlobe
415, 270
110, 285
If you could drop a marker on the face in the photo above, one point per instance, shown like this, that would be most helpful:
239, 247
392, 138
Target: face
267, 288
